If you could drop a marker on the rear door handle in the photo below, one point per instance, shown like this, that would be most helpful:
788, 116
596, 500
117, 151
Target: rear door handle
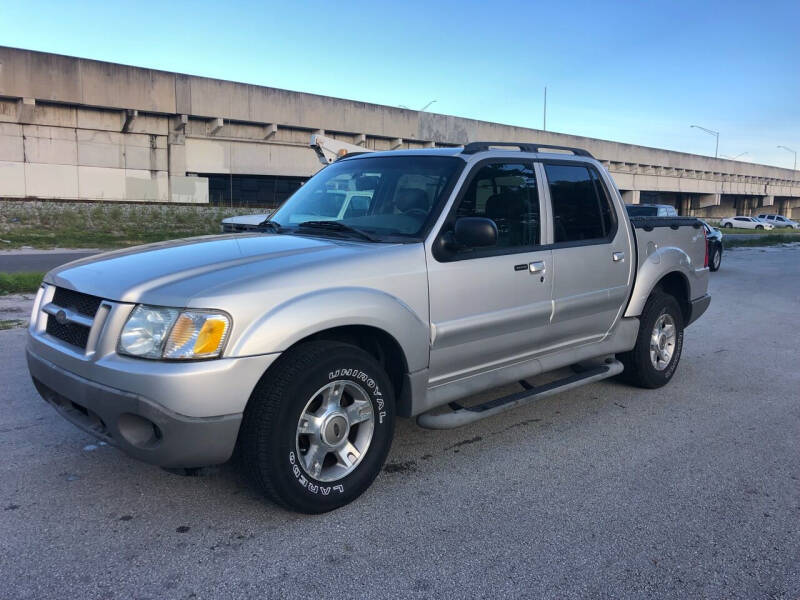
618, 256
537, 266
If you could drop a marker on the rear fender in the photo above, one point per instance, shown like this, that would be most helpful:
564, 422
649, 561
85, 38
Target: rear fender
656, 266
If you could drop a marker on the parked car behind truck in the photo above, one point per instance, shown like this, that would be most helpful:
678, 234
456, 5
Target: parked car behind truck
470, 268
714, 240
745, 223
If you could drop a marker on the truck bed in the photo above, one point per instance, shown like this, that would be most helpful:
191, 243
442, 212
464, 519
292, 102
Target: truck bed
668, 241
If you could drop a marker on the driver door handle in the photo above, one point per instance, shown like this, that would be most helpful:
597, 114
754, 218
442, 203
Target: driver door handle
617, 256
537, 266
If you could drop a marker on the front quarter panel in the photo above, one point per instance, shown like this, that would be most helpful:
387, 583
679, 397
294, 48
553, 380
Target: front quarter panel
300, 317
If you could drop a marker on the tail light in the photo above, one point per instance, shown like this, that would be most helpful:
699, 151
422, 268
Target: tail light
705, 235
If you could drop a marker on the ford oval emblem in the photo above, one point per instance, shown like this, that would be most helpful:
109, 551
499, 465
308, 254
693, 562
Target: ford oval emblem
61, 318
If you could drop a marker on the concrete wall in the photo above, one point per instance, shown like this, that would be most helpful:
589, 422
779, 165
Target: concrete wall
82, 129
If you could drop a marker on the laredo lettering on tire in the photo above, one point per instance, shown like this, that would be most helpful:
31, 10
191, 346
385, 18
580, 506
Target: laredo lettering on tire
318, 426
654, 358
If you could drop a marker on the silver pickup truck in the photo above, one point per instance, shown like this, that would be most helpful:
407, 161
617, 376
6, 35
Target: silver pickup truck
390, 285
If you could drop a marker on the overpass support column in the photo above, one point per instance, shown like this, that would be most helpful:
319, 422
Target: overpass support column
630, 196
767, 200
706, 200
180, 187
685, 202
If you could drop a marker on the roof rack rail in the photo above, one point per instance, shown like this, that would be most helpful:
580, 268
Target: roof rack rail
475, 147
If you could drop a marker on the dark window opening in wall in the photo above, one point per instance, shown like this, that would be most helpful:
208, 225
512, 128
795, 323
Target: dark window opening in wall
265, 191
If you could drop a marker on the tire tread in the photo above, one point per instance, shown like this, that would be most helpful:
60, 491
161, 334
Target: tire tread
638, 370
265, 402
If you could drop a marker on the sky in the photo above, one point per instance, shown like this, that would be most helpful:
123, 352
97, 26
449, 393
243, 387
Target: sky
635, 72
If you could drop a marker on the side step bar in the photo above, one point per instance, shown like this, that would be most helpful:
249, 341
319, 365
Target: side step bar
462, 415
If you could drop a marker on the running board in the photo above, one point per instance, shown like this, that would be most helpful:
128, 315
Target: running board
462, 415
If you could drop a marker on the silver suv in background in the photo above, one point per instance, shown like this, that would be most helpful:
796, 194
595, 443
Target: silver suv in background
651, 210
778, 221
391, 284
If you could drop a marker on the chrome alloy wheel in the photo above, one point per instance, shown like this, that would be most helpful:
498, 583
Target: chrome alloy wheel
717, 259
335, 430
662, 341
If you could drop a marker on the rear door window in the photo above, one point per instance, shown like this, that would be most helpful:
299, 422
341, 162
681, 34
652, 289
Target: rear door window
581, 208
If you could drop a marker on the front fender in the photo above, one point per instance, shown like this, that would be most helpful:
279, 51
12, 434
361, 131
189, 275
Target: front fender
305, 315
655, 267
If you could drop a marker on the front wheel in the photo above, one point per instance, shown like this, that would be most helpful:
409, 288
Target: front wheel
759, 227
318, 427
728, 225
654, 358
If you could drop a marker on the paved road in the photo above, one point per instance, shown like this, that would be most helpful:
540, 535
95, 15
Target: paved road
38, 261
692, 491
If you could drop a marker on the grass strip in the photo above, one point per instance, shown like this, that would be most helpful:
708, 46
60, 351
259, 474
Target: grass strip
760, 240
20, 283
41, 224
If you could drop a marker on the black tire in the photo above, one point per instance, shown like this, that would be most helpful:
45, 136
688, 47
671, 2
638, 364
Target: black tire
639, 369
759, 227
716, 254
268, 437
728, 225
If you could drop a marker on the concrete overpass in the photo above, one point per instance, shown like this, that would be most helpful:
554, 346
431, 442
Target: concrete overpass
73, 128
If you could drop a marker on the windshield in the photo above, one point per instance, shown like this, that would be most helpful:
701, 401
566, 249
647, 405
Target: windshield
383, 196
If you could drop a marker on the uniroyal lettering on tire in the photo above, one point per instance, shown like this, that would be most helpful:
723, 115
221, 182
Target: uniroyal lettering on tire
316, 433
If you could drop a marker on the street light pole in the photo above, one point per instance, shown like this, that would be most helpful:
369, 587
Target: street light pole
795, 156
544, 115
421, 109
712, 132
427, 105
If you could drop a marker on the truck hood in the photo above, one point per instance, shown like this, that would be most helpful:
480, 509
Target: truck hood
172, 273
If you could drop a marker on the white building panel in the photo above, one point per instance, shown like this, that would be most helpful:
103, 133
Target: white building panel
101, 183
51, 181
12, 179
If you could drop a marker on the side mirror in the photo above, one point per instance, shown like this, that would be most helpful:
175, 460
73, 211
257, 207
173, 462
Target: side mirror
475, 232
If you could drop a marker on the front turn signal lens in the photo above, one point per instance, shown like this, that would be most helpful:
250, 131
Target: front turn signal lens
197, 334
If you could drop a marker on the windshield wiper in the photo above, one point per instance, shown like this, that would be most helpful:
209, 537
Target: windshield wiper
274, 225
338, 226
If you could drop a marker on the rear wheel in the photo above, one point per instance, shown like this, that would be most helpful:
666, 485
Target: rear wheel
716, 259
654, 358
318, 427
728, 225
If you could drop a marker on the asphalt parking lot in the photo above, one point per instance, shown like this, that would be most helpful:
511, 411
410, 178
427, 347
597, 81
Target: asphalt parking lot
16, 261
691, 491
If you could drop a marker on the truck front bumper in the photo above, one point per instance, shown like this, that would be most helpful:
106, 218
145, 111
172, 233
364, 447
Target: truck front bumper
138, 425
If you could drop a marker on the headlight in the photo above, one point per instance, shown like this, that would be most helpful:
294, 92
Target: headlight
156, 332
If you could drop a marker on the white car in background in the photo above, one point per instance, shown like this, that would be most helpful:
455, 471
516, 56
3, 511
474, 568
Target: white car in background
243, 223
778, 221
745, 223
331, 205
